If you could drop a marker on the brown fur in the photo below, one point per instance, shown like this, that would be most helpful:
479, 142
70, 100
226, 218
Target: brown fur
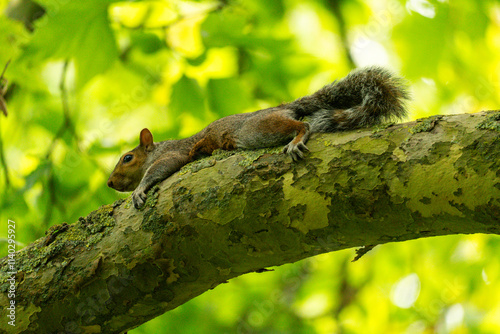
365, 97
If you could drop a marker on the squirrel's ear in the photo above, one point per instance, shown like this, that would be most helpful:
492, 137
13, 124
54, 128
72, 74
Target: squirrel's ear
146, 138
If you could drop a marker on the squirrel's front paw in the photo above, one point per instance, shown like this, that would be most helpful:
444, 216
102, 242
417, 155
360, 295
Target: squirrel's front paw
296, 151
139, 198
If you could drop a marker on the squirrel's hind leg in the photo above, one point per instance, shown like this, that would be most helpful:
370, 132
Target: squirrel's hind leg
297, 147
273, 127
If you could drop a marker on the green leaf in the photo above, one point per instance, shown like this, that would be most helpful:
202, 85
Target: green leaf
187, 96
222, 29
37, 175
198, 60
146, 42
12, 36
423, 55
73, 173
77, 30
227, 97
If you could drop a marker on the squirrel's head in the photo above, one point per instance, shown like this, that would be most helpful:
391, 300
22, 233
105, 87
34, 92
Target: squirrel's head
131, 167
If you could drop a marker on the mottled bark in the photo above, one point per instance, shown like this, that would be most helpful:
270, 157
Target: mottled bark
235, 213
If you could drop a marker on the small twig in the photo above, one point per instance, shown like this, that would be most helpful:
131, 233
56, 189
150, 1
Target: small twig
67, 124
3, 107
3, 161
62, 88
3, 90
52, 198
337, 12
4, 69
51, 188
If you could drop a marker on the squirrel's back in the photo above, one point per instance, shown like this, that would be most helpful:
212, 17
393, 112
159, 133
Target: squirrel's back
363, 98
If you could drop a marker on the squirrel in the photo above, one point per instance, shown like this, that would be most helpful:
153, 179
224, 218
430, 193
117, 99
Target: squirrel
365, 97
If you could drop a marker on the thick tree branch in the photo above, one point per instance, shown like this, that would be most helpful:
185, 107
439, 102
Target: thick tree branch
228, 215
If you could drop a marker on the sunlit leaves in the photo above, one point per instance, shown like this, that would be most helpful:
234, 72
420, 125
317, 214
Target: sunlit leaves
174, 66
430, 38
12, 37
227, 96
225, 28
187, 97
146, 42
76, 30
144, 14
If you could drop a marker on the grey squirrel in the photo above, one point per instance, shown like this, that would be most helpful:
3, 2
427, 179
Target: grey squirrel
365, 97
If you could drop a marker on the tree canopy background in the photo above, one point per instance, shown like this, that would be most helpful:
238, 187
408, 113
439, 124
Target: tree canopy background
87, 76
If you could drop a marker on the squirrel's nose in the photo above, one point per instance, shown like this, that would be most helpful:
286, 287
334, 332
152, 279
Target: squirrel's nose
110, 184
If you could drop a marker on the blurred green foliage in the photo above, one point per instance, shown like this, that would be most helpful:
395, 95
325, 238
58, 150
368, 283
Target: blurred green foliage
87, 76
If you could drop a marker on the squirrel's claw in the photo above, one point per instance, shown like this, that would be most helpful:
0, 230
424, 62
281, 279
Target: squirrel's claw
296, 151
138, 198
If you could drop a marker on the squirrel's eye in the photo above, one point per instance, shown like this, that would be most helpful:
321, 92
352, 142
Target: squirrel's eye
127, 158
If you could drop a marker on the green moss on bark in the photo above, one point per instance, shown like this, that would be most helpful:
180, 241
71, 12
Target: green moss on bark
239, 212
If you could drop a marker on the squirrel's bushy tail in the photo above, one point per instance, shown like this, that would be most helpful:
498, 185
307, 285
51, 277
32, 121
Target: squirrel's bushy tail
363, 98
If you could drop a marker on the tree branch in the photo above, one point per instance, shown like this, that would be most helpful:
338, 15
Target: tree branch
232, 214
